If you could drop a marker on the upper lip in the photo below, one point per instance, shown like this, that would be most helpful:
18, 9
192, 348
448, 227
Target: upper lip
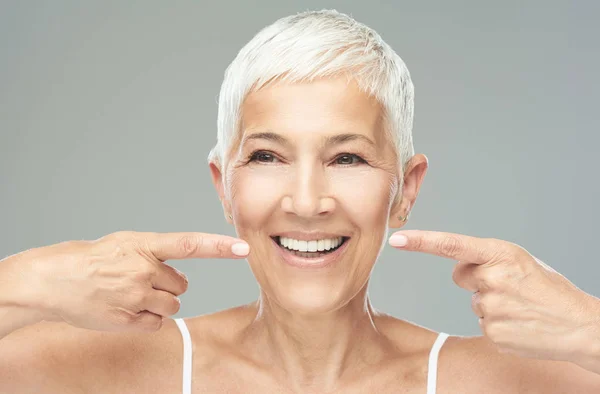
308, 236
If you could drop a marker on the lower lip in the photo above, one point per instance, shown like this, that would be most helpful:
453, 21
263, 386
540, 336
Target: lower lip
310, 263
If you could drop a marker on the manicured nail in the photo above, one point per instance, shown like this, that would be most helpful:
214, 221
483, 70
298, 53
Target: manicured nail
240, 249
398, 240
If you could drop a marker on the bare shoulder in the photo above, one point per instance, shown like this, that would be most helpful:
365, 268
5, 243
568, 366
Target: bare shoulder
474, 365
215, 335
50, 355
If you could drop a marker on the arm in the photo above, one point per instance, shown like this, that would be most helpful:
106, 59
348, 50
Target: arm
478, 367
119, 282
555, 377
16, 310
586, 348
53, 357
13, 318
525, 307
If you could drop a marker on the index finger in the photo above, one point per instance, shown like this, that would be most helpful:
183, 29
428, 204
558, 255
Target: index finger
188, 245
455, 246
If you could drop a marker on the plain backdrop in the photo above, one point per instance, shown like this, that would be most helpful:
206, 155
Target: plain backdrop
108, 111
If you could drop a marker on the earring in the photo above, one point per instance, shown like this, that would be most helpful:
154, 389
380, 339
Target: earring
403, 218
230, 217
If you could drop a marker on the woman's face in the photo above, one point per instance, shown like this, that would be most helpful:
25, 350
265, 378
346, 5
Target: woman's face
313, 168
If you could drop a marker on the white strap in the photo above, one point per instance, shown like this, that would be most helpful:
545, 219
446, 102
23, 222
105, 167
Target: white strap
433, 361
187, 356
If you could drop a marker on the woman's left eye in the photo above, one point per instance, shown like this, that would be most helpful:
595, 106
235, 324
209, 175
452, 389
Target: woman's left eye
349, 159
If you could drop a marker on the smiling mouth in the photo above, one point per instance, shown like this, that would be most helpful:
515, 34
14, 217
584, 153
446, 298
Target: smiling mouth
310, 249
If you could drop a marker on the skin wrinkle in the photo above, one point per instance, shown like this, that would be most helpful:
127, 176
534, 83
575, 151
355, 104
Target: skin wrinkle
315, 329
384, 138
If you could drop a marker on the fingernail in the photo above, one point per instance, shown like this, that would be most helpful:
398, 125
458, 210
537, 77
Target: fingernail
240, 249
398, 240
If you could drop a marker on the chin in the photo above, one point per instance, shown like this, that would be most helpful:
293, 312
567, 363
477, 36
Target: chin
310, 299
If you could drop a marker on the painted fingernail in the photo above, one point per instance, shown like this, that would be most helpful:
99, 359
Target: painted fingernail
398, 240
240, 249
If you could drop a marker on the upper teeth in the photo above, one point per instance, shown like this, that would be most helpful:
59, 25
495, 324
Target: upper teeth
310, 246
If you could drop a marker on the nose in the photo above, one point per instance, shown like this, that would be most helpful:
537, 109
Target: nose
308, 194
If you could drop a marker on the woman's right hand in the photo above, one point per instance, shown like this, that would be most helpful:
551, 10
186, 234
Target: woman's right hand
116, 283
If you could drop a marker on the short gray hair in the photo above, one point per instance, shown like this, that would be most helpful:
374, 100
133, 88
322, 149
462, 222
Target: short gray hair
316, 44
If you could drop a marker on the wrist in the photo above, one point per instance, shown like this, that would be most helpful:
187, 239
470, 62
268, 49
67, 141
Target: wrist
587, 354
15, 311
13, 318
19, 284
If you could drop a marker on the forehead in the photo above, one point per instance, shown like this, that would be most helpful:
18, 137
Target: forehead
324, 106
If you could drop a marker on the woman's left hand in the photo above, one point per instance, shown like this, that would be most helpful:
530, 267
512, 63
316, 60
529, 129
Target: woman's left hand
524, 306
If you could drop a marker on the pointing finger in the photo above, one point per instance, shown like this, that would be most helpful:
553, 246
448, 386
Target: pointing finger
455, 246
167, 246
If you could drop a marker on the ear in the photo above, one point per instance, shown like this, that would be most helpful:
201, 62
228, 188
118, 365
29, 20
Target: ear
217, 179
414, 174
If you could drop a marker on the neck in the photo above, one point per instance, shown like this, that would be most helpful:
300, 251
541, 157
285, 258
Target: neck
315, 350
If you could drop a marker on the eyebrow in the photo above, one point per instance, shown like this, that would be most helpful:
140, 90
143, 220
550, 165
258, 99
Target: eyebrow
333, 140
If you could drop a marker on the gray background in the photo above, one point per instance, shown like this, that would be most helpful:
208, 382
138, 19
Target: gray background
108, 110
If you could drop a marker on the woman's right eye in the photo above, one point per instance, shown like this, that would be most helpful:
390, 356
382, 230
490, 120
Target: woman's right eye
263, 157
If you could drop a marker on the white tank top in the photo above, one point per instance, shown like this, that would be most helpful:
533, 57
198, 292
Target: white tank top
187, 359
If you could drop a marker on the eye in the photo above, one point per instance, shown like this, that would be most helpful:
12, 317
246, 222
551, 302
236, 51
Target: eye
262, 156
346, 159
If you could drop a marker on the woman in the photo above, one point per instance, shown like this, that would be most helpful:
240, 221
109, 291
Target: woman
314, 161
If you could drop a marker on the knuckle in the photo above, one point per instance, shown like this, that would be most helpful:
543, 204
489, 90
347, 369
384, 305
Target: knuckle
507, 251
450, 245
156, 324
489, 329
72, 244
458, 273
504, 277
118, 251
493, 279
475, 302
189, 244
483, 303
120, 235
124, 317
117, 244
417, 243
144, 273
137, 298
176, 305
221, 247
184, 283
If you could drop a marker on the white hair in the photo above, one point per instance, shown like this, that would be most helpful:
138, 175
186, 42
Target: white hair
317, 44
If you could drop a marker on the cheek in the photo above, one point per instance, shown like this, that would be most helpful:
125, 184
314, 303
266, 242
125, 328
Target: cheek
254, 194
364, 195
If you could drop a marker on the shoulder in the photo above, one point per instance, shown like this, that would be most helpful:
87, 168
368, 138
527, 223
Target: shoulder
474, 364
53, 354
216, 334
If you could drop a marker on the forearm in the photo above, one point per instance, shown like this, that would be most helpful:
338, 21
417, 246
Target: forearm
13, 318
16, 310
